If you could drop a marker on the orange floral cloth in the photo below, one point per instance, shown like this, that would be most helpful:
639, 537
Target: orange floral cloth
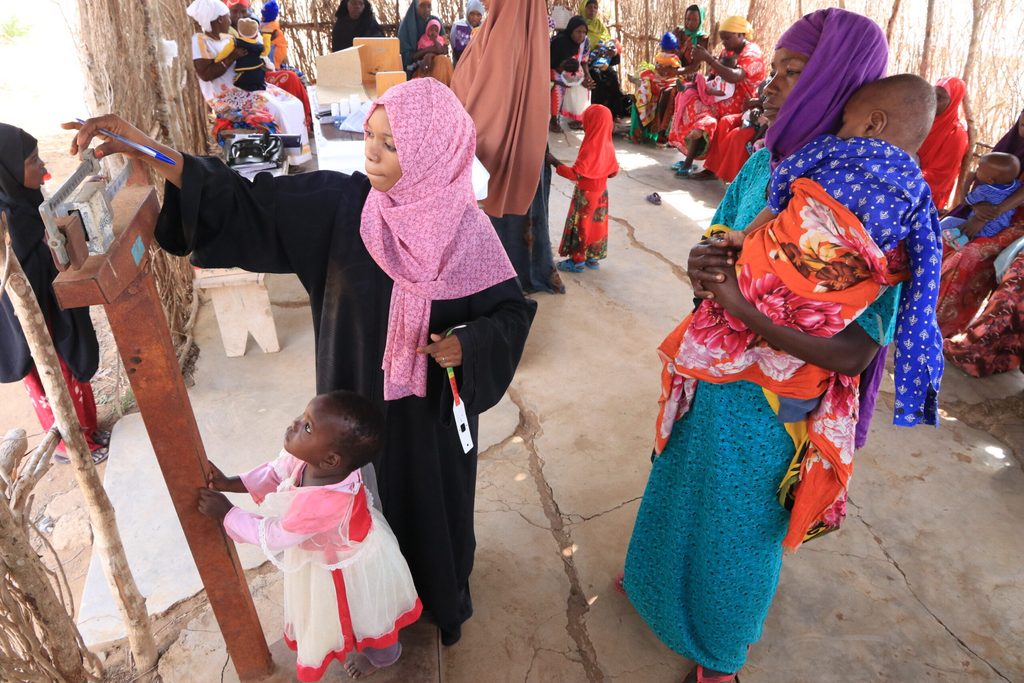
814, 269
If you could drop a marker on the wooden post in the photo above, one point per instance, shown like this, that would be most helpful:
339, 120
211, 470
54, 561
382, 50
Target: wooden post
121, 280
106, 537
58, 631
980, 7
891, 25
929, 41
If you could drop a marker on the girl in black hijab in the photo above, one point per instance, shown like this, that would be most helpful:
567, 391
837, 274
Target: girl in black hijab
22, 173
354, 20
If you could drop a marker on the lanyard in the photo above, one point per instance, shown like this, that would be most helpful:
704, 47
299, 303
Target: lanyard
459, 406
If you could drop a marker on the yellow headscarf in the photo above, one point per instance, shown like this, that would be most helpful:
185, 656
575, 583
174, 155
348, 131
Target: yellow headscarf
737, 24
596, 30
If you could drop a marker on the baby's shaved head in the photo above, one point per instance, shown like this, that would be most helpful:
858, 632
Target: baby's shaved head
999, 168
909, 103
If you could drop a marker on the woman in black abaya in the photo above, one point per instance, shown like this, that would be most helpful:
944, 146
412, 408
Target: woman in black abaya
310, 225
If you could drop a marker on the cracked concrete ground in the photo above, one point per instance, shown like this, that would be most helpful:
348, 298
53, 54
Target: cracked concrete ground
923, 583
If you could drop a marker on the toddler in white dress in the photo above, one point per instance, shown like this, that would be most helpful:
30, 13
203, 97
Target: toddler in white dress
347, 588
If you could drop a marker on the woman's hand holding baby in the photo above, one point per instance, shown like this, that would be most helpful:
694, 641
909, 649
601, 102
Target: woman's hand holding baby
214, 505
727, 291
447, 351
707, 261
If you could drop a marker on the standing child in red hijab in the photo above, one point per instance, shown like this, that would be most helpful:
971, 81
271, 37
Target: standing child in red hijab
585, 239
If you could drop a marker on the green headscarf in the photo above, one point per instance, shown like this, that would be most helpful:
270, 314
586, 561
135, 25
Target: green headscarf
694, 36
597, 32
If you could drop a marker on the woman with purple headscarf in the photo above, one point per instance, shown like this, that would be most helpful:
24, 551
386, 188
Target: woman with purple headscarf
706, 549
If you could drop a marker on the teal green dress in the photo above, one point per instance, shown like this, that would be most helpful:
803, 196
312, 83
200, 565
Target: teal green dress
706, 550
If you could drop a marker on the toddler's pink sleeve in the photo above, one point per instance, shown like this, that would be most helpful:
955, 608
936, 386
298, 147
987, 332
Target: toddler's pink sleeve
267, 477
244, 527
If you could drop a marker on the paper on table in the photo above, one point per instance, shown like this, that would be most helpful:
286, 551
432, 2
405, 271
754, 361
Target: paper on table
355, 121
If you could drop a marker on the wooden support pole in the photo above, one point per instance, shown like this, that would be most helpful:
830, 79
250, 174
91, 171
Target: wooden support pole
122, 281
106, 537
155, 378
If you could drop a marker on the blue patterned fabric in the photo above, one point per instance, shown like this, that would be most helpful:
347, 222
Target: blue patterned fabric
993, 194
882, 185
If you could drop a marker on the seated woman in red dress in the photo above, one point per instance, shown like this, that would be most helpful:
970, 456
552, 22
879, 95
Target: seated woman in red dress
694, 121
736, 137
995, 340
968, 275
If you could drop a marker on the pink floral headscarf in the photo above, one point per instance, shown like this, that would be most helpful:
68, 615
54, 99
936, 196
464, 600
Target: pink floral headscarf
427, 232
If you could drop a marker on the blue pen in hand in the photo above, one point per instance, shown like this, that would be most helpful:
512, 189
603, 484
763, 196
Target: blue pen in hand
148, 151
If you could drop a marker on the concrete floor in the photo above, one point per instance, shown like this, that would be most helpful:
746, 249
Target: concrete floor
924, 582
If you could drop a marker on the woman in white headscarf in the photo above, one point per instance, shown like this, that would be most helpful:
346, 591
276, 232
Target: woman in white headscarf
462, 30
272, 108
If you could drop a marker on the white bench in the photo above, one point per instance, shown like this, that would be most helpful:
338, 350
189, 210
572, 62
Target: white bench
242, 306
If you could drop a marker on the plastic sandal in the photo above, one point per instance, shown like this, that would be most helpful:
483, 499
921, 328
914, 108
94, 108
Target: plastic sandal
679, 164
570, 266
592, 263
99, 454
684, 171
707, 678
654, 198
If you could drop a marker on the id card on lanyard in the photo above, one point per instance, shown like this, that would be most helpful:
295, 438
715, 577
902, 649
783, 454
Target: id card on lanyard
459, 406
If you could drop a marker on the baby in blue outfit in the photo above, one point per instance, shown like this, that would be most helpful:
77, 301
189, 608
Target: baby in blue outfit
995, 180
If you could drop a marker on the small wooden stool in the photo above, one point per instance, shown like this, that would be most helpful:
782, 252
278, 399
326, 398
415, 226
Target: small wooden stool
242, 305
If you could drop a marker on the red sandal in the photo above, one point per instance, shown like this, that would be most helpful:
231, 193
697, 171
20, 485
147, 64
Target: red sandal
708, 678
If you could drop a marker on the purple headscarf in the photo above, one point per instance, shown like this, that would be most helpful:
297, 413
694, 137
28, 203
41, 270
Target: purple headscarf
1012, 142
845, 50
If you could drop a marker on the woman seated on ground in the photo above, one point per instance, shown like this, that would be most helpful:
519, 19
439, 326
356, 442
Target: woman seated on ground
571, 43
942, 153
968, 275
607, 88
655, 93
272, 109
736, 137
690, 35
431, 60
354, 19
603, 58
284, 78
597, 32
994, 342
694, 124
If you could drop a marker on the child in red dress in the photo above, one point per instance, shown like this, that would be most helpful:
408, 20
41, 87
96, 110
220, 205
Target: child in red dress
585, 238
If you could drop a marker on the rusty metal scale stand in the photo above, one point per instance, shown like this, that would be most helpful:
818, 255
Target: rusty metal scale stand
117, 275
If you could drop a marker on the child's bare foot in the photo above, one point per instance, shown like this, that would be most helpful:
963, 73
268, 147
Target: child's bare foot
361, 665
